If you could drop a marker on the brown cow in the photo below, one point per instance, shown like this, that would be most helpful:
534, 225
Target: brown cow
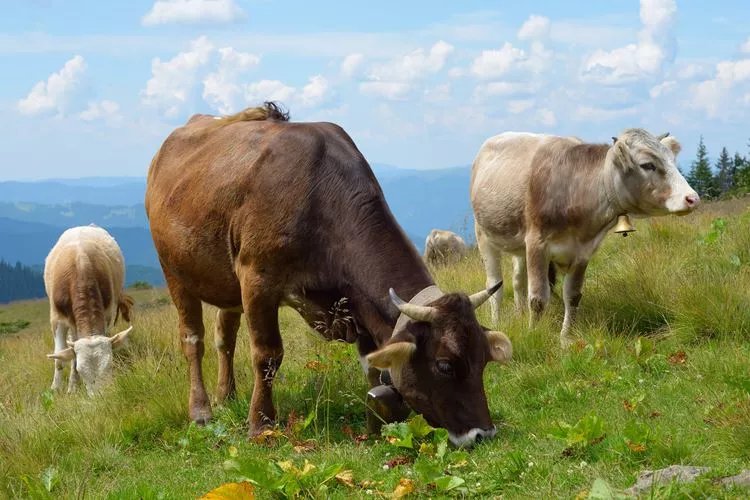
83, 275
251, 212
547, 200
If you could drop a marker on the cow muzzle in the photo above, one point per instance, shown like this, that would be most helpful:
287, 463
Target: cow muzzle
472, 437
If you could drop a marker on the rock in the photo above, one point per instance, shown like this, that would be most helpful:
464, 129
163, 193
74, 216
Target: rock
681, 473
741, 479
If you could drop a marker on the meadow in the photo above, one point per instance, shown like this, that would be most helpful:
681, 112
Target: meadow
660, 375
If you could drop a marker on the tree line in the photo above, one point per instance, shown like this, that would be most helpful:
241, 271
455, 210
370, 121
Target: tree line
730, 175
19, 282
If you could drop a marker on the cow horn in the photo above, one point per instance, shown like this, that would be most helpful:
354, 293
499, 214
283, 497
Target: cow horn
415, 312
480, 298
663, 136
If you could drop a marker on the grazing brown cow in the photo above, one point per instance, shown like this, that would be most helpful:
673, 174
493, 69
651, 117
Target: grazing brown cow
548, 199
83, 275
443, 247
251, 212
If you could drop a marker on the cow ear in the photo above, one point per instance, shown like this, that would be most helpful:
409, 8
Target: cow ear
393, 354
622, 156
501, 350
64, 355
121, 339
673, 144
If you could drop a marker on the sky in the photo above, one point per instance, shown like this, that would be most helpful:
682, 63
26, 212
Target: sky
92, 88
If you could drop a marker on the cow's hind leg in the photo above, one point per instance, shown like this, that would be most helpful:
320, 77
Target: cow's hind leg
191, 332
537, 268
225, 339
73, 379
491, 257
262, 314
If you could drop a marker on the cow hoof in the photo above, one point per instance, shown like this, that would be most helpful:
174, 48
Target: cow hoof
201, 416
566, 341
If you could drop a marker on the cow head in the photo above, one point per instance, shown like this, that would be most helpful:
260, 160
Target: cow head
93, 358
437, 360
647, 181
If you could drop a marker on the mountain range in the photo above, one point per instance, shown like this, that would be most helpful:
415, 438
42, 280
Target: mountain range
33, 214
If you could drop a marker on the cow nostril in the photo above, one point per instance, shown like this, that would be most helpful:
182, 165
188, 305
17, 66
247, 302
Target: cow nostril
479, 439
692, 200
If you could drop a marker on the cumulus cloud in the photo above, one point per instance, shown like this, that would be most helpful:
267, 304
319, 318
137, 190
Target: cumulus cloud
173, 82
546, 117
193, 12
495, 63
268, 90
745, 47
535, 27
220, 88
504, 89
351, 64
520, 105
644, 59
413, 66
57, 92
106, 110
690, 71
438, 93
315, 92
720, 96
596, 114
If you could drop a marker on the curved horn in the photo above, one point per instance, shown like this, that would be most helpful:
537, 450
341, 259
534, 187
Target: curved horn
663, 136
480, 298
415, 312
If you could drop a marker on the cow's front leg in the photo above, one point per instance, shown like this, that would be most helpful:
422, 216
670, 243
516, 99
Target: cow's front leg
520, 283
58, 331
73, 379
572, 297
262, 314
225, 339
537, 266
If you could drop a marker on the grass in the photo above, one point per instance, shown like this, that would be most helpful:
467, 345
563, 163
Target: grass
660, 376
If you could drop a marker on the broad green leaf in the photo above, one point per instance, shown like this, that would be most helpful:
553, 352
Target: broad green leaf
419, 427
448, 483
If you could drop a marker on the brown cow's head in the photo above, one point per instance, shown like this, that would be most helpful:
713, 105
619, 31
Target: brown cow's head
437, 360
647, 180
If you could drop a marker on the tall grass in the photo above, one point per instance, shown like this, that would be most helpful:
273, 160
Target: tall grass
677, 284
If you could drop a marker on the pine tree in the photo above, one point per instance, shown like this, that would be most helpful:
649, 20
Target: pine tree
725, 172
742, 172
701, 178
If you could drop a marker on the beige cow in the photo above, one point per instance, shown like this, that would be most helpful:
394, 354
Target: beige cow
550, 200
83, 276
443, 247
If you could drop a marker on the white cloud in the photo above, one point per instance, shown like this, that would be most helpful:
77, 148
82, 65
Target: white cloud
439, 93
173, 82
268, 90
662, 89
56, 93
495, 63
351, 64
719, 96
106, 110
456, 72
220, 89
534, 28
690, 71
596, 114
640, 60
393, 91
413, 66
745, 47
519, 106
546, 117
503, 88
314, 93
193, 12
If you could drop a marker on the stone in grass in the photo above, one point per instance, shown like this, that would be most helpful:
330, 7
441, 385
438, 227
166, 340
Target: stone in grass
682, 474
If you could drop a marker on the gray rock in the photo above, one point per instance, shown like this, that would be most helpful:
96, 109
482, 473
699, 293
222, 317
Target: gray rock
741, 479
650, 478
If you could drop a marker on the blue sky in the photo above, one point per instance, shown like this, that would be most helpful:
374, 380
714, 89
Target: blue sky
93, 88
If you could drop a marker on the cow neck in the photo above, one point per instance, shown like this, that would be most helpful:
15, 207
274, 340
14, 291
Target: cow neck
613, 204
385, 260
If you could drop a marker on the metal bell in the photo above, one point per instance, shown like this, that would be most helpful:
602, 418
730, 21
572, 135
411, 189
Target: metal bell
623, 225
384, 405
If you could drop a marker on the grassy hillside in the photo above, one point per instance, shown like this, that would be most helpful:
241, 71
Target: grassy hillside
660, 376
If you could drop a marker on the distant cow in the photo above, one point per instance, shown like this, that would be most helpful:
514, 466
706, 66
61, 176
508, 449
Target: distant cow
251, 212
83, 276
549, 199
443, 247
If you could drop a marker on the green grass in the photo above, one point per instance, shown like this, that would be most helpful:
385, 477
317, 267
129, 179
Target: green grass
677, 284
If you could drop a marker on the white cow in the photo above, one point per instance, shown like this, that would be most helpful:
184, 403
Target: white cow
443, 247
550, 200
83, 276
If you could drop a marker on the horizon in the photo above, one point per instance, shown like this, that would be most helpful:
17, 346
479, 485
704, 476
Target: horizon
95, 94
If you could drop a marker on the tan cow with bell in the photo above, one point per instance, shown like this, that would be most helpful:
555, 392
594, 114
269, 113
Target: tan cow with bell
84, 275
443, 247
549, 201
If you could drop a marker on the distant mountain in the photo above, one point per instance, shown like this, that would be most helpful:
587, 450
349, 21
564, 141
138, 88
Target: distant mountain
93, 191
76, 214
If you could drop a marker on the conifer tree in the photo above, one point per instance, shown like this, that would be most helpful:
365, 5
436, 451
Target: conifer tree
700, 177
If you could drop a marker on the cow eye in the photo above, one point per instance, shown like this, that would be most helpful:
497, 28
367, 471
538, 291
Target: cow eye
444, 367
648, 166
